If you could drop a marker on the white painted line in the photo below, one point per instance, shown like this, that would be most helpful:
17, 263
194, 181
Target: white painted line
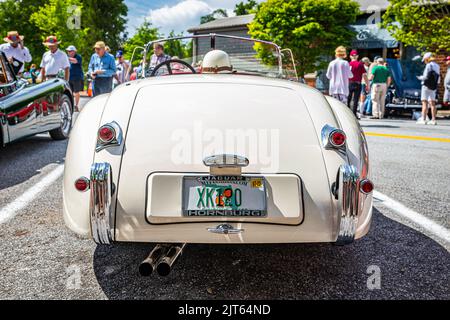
10, 210
432, 227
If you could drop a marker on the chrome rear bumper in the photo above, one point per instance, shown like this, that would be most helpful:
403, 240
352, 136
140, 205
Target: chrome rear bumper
350, 199
100, 207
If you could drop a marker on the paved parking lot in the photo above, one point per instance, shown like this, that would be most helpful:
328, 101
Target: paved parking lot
408, 245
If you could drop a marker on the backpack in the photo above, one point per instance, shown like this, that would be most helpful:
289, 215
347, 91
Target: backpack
431, 82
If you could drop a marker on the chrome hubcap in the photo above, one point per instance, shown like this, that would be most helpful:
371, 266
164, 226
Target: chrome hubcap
66, 117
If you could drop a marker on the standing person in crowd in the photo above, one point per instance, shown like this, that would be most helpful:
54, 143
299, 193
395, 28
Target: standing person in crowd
158, 56
447, 82
76, 79
102, 68
54, 60
339, 73
15, 51
381, 80
359, 74
430, 80
33, 73
122, 69
365, 86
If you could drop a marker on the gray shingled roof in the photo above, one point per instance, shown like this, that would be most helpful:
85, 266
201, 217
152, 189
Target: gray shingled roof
372, 5
230, 22
366, 6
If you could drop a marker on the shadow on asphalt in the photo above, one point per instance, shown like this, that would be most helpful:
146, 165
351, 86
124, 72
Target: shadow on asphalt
21, 160
412, 266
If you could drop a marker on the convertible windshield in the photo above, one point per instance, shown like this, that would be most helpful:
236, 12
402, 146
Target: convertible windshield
182, 55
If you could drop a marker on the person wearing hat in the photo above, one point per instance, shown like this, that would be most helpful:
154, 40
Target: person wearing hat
15, 50
54, 60
447, 82
355, 84
76, 79
381, 80
102, 68
122, 68
339, 73
430, 80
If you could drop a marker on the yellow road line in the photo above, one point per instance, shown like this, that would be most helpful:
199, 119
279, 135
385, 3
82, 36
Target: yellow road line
399, 136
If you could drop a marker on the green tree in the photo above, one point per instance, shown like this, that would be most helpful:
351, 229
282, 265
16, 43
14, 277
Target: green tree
144, 34
15, 15
422, 23
218, 13
62, 18
243, 8
106, 20
310, 28
175, 48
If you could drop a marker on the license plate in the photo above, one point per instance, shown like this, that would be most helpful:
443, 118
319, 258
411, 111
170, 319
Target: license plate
224, 196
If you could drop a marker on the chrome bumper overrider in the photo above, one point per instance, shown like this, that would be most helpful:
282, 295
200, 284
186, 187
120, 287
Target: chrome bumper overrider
101, 210
348, 203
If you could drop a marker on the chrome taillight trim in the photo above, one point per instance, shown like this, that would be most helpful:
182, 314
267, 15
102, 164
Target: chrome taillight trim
101, 209
327, 142
117, 141
348, 200
85, 180
365, 181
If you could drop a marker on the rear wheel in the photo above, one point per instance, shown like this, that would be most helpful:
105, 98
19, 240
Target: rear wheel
65, 109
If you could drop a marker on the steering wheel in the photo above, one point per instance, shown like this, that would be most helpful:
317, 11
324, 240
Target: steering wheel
169, 69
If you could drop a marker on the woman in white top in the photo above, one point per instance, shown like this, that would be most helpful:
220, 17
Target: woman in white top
339, 73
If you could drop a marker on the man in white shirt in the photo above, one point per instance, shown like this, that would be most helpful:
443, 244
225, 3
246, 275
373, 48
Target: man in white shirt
15, 50
339, 73
54, 60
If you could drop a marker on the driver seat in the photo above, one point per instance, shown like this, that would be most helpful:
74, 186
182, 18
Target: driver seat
217, 61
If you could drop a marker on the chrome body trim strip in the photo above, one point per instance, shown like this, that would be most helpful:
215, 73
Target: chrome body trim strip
117, 141
225, 229
101, 209
226, 160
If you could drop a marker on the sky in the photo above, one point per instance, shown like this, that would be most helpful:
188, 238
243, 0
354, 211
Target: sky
177, 15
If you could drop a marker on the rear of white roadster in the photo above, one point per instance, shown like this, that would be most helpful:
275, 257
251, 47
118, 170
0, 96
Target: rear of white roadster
219, 159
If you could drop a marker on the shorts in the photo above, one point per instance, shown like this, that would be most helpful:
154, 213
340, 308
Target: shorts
428, 94
76, 85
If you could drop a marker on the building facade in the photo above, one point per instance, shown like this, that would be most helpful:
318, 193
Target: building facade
370, 40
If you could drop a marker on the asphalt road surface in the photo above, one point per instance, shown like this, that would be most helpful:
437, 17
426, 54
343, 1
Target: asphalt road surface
405, 255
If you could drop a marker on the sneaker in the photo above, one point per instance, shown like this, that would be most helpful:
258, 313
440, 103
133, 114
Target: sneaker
432, 122
421, 121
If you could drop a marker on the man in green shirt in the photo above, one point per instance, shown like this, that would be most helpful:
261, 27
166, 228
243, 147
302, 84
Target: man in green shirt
381, 80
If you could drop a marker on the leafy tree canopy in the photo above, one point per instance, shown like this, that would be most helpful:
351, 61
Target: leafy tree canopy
243, 8
77, 22
144, 34
422, 23
218, 13
310, 28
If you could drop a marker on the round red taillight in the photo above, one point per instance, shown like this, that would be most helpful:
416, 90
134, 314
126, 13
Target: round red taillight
366, 186
106, 134
338, 138
82, 184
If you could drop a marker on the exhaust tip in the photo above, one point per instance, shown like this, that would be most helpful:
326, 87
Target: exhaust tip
163, 269
145, 269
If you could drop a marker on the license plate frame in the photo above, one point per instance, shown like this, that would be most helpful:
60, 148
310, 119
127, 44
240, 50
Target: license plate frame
260, 185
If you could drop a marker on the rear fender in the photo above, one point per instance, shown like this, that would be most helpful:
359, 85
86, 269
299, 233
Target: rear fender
79, 158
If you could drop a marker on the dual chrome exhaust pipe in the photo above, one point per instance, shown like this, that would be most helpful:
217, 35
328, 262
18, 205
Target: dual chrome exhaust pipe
161, 259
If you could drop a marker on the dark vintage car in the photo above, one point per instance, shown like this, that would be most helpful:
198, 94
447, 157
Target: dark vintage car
404, 93
28, 109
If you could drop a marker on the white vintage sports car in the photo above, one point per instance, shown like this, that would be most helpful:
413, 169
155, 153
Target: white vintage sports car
220, 147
